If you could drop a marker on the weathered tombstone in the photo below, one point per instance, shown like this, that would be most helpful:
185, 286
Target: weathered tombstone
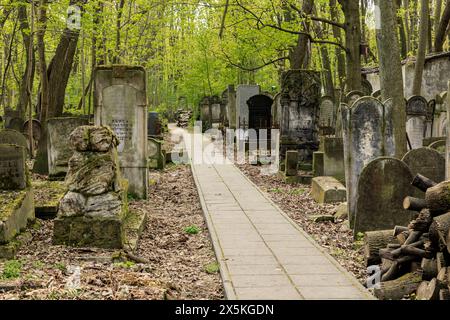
447, 152
333, 158
326, 115
121, 103
37, 129
153, 125
300, 98
10, 136
291, 163
431, 111
426, 161
276, 111
243, 93
416, 113
59, 150
352, 96
367, 88
383, 184
216, 111
16, 197
376, 94
15, 124
367, 134
155, 153
327, 190
223, 108
439, 146
205, 113
318, 166
93, 211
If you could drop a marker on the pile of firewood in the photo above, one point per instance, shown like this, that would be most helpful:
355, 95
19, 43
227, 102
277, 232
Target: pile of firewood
415, 259
183, 118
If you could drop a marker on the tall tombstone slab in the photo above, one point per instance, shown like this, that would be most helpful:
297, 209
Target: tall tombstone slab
416, 116
426, 161
58, 147
299, 123
382, 186
121, 103
333, 158
243, 93
231, 106
327, 113
367, 134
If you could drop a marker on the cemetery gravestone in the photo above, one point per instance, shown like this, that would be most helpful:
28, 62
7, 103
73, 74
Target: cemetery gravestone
276, 111
59, 150
333, 158
382, 186
439, 146
326, 118
299, 101
16, 196
243, 93
416, 112
121, 103
367, 88
231, 107
216, 115
426, 161
367, 134
205, 112
447, 152
9, 136
155, 153
93, 211
352, 96
153, 125
291, 163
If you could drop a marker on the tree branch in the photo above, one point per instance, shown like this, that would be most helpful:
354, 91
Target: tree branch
254, 68
314, 18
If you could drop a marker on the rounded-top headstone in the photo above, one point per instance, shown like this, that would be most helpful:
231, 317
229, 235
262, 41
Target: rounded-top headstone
439, 146
326, 112
352, 96
37, 128
426, 161
383, 185
10, 136
367, 88
376, 94
417, 106
15, 124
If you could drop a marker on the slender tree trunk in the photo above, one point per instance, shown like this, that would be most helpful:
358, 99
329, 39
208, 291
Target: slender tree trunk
352, 43
390, 70
442, 28
402, 31
407, 26
118, 27
29, 69
340, 54
421, 52
437, 18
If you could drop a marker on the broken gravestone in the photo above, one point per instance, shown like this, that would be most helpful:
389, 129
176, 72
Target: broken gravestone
156, 157
58, 147
121, 103
93, 211
16, 197
367, 134
382, 186
327, 190
426, 161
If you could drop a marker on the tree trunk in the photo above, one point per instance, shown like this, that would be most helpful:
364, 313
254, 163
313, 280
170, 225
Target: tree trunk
352, 43
117, 54
397, 289
373, 242
401, 31
391, 80
407, 26
421, 51
29, 70
442, 28
340, 54
300, 55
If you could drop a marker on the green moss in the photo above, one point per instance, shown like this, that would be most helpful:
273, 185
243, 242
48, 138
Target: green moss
11, 269
10, 201
212, 268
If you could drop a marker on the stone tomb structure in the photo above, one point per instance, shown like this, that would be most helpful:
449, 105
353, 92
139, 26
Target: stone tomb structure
93, 211
299, 102
120, 101
329, 160
367, 134
59, 150
16, 197
382, 186
416, 120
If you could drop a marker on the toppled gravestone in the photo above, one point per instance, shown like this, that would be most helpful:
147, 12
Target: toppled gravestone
93, 211
328, 190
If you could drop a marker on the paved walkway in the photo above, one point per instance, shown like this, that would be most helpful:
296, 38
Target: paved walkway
262, 253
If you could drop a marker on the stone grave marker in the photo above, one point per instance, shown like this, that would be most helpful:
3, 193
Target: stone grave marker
439, 146
10, 136
276, 111
243, 93
446, 98
352, 96
59, 150
426, 161
291, 165
120, 102
376, 94
416, 114
155, 153
367, 134
16, 197
216, 110
326, 117
333, 158
299, 122
94, 211
205, 112
382, 186
367, 88
231, 106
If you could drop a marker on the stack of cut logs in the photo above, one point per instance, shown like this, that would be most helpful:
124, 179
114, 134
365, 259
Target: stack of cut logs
415, 259
183, 118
